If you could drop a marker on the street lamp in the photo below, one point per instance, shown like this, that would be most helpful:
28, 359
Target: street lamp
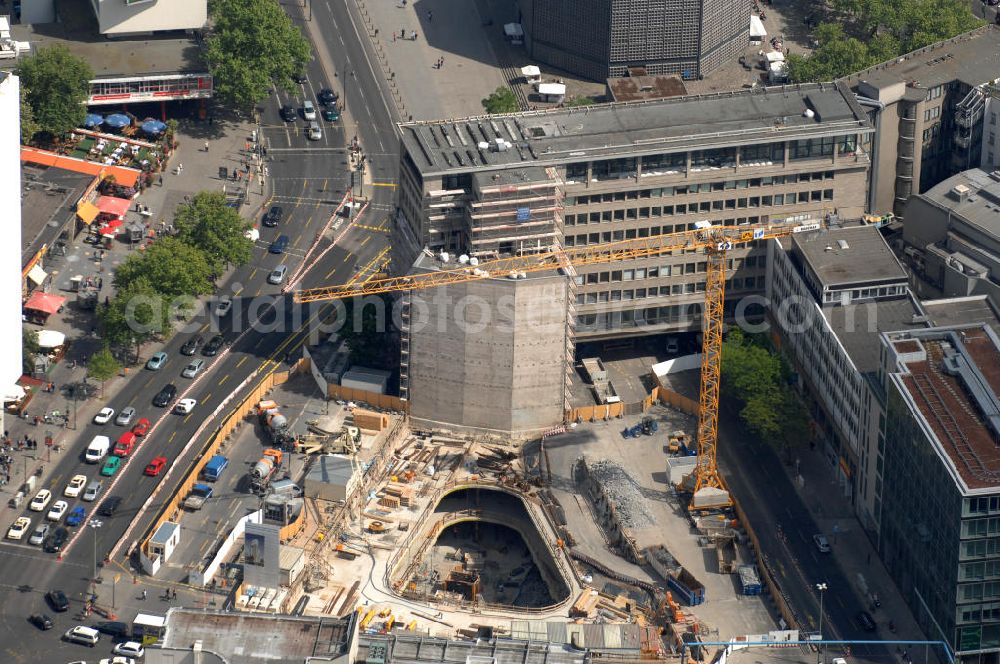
95, 524
821, 587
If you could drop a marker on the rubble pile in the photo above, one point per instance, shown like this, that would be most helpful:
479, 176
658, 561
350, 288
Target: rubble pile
624, 492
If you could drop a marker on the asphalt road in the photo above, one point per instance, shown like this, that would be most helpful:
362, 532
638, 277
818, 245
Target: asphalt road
308, 179
754, 475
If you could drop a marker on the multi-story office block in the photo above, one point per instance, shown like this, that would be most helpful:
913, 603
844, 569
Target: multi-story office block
599, 39
928, 109
520, 184
939, 510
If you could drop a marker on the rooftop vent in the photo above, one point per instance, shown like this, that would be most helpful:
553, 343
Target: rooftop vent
960, 192
995, 175
843, 244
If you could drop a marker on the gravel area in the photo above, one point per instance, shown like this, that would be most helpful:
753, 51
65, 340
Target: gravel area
623, 490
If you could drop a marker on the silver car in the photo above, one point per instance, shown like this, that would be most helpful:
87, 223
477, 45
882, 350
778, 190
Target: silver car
125, 416
39, 535
277, 275
192, 369
313, 132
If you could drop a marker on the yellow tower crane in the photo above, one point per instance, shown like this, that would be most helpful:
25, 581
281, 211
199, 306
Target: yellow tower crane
710, 492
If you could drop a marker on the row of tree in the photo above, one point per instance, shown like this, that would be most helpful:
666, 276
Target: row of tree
162, 283
878, 30
756, 380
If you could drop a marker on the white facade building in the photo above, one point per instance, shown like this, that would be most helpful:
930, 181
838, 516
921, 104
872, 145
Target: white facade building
121, 18
10, 248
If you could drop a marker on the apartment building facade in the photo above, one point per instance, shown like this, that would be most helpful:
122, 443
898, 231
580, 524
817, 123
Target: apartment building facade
600, 39
10, 267
928, 108
940, 511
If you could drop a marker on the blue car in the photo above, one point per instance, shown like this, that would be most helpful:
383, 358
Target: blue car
76, 516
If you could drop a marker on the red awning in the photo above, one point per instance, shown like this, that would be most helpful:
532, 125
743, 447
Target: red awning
112, 205
45, 302
111, 228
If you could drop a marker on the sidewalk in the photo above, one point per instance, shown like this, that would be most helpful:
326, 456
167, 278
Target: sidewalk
852, 550
228, 138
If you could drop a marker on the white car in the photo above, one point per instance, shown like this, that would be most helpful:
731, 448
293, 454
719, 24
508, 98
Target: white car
223, 307
129, 649
75, 486
104, 416
117, 659
58, 510
19, 528
40, 501
185, 406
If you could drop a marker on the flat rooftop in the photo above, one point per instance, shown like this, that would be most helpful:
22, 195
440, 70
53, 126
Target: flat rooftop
425, 263
980, 208
972, 57
634, 88
410, 648
958, 311
604, 131
849, 255
251, 638
858, 326
112, 58
48, 197
949, 404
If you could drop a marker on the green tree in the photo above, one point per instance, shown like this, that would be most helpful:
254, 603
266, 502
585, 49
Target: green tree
29, 348
579, 101
135, 315
171, 267
58, 86
501, 101
367, 331
28, 125
215, 229
103, 366
253, 44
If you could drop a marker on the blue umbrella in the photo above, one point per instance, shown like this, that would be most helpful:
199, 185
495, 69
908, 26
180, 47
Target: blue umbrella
117, 120
152, 126
93, 120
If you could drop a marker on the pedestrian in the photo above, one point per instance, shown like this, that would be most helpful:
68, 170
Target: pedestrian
394, 37
430, 16
144, 593
376, 33
402, 34
413, 36
206, 146
442, 62
180, 167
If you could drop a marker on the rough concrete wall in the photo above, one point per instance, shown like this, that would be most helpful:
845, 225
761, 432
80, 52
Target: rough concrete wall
489, 355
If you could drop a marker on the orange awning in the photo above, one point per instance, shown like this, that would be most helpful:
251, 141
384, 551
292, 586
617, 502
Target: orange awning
126, 177
87, 212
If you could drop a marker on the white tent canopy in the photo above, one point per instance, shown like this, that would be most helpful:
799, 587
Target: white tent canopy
552, 89
50, 339
757, 30
531, 71
12, 393
37, 274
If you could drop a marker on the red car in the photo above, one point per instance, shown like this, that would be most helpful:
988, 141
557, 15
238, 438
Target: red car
141, 427
155, 466
125, 445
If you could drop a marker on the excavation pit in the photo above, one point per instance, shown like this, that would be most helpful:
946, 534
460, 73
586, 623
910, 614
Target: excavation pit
481, 546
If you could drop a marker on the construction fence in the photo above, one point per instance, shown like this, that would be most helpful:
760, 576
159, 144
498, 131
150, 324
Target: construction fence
383, 401
619, 409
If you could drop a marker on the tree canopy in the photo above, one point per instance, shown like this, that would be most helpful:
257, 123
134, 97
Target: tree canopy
253, 45
29, 348
58, 85
884, 29
102, 366
215, 229
502, 100
28, 125
136, 314
171, 267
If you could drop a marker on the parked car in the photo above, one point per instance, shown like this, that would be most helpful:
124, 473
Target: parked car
300, 77
192, 345
866, 622
223, 307
40, 501
288, 113
314, 132
93, 489
279, 245
83, 635
39, 535
17, 529
125, 416
111, 466
273, 216
77, 515
41, 621
822, 543
155, 466
129, 649
54, 542
277, 275
104, 415
165, 396
185, 406
110, 506
308, 110
57, 600
58, 510
156, 361
193, 368
213, 346
327, 96
125, 445
141, 427
330, 113
114, 628
75, 486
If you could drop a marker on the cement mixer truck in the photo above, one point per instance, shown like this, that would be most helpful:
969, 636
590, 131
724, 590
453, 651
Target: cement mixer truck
265, 469
274, 423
